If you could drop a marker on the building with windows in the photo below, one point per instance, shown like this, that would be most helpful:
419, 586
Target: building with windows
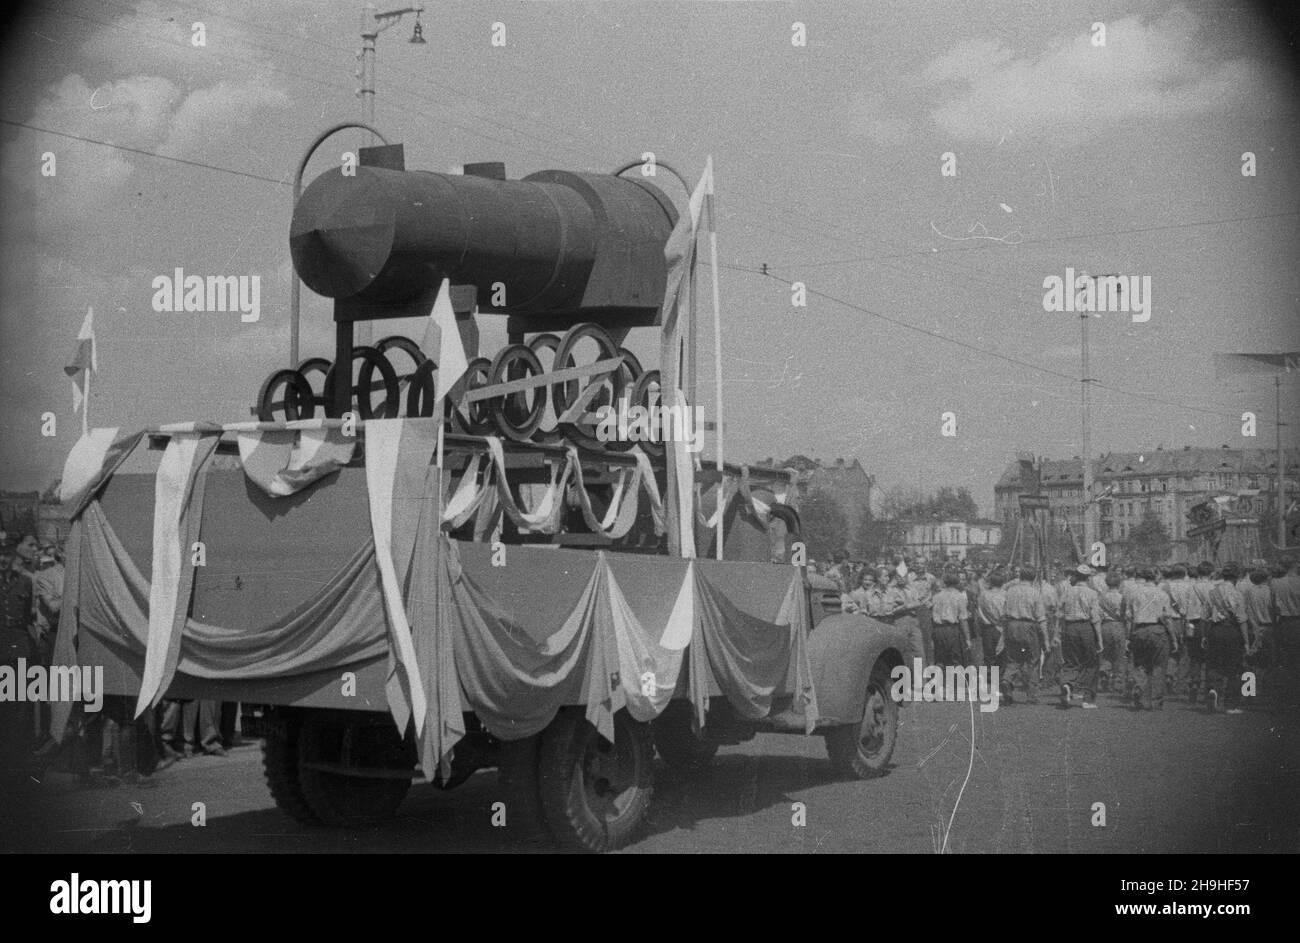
948, 540
1169, 482
846, 481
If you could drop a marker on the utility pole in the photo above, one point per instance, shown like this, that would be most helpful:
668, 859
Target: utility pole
372, 24
1087, 436
1281, 467
1085, 395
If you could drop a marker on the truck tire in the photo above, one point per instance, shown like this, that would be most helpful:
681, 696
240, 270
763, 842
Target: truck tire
863, 749
595, 794
280, 764
340, 800
676, 741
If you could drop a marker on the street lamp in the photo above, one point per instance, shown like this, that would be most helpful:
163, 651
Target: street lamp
372, 24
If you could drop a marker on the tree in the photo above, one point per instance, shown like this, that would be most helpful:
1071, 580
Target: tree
825, 527
900, 501
1149, 540
873, 535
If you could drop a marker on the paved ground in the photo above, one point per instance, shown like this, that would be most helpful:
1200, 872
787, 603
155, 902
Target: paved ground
1172, 781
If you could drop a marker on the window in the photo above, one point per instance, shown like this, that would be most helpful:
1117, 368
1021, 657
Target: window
954, 535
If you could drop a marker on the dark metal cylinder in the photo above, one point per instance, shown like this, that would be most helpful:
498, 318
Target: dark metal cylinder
384, 236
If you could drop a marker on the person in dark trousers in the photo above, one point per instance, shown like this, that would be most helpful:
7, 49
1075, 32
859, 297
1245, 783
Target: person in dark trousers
1151, 639
1227, 640
1026, 636
1114, 636
1081, 641
950, 624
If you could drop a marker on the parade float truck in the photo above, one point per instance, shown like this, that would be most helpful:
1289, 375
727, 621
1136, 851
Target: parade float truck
400, 579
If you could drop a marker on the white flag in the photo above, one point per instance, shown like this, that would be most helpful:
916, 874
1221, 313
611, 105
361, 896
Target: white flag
451, 353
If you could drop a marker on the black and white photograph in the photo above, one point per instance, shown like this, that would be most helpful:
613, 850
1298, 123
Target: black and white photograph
682, 427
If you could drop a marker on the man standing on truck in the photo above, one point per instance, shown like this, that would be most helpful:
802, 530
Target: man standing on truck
1026, 635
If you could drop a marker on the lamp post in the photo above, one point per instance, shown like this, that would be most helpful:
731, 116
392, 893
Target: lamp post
295, 285
372, 24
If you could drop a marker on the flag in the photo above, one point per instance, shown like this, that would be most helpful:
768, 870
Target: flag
451, 353
398, 455
85, 359
1226, 365
675, 313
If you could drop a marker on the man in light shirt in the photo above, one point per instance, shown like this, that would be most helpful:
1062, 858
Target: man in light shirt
1081, 642
1026, 635
1150, 639
1114, 637
1227, 640
1257, 601
991, 618
950, 624
1189, 610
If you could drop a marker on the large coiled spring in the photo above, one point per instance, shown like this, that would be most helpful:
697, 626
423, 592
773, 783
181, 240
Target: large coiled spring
396, 378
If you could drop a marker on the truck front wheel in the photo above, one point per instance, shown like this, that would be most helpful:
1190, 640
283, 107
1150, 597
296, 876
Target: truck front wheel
863, 749
594, 793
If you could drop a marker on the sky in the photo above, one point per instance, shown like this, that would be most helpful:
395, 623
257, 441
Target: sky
925, 290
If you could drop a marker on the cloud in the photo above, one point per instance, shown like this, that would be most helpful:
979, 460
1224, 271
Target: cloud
210, 113
1146, 71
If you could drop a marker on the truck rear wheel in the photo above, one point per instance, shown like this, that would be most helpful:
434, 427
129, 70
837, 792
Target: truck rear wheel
344, 800
864, 749
594, 793
280, 764
677, 741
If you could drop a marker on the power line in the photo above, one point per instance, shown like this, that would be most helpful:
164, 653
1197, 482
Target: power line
982, 350
992, 244
144, 153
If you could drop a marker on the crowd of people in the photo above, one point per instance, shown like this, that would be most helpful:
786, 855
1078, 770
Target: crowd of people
104, 748
1212, 634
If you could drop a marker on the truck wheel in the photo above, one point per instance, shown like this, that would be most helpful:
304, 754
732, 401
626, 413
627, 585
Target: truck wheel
341, 800
280, 764
676, 740
595, 793
863, 749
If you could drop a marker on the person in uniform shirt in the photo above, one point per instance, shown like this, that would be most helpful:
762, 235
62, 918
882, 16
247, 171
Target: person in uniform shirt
991, 620
1050, 663
971, 586
1286, 596
950, 624
1025, 637
906, 614
1257, 601
921, 586
1202, 585
1227, 640
1114, 637
1081, 641
1150, 639
1188, 611
858, 600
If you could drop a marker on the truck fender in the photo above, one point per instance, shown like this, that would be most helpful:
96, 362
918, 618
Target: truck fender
842, 651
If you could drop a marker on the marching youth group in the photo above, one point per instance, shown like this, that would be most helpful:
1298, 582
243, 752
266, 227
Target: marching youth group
1141, 632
